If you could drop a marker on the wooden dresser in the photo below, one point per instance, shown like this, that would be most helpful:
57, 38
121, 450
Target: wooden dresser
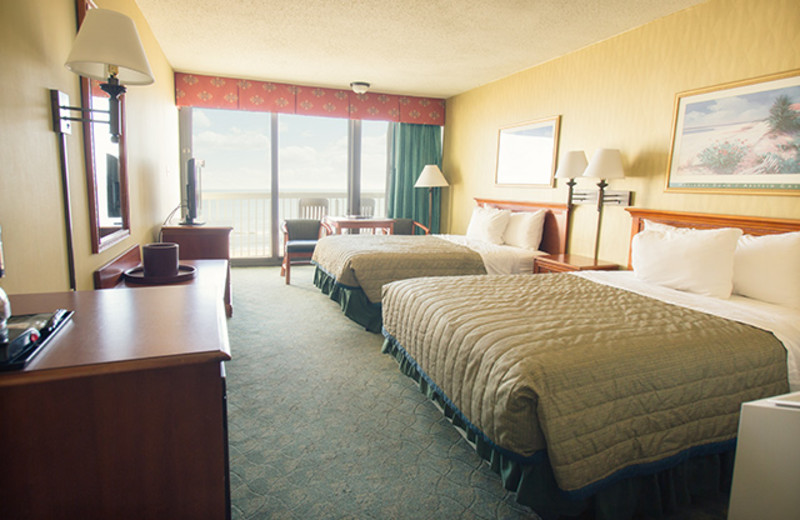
123, 414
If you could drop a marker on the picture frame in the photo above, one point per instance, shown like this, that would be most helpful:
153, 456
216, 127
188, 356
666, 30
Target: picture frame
741, 137
527, 153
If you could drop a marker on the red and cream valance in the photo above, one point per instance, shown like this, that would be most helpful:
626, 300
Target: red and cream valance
194, 90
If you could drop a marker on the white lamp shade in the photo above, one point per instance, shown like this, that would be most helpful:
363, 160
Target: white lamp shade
109, 38
572, 166
431, 177
606, 163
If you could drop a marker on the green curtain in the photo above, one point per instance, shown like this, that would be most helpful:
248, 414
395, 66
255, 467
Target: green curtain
412, 147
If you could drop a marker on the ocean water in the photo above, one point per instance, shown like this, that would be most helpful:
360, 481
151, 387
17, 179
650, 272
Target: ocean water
250, 215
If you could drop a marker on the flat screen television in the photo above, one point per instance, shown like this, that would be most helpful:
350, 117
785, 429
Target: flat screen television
191, 193
113, 189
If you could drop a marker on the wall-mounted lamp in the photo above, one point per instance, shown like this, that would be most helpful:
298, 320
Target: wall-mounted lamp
572, 166
431, 177
359, 87
108, 48
606, 163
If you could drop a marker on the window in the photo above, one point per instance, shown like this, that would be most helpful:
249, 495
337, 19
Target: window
235, 147
246, 187
374, 167
312, 163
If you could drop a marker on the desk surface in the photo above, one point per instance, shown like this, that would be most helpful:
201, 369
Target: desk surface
126, 329
209, 272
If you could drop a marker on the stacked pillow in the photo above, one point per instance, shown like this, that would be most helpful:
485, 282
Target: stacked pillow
525, 229
719, 262
488, 224
501, 226
767, 268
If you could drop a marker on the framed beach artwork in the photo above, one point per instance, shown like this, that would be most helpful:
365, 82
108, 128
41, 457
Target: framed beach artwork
742, 137
526, 153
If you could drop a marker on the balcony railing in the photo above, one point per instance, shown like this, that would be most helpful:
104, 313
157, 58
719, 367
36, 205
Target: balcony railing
249, 213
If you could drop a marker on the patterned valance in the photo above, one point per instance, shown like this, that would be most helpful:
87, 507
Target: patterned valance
193, 90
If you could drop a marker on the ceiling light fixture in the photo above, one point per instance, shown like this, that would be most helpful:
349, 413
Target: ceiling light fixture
359, 87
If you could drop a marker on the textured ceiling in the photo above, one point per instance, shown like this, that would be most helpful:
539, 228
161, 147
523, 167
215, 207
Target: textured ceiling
433, 48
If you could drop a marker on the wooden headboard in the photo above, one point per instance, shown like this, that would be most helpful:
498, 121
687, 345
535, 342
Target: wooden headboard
556, 221
749, 225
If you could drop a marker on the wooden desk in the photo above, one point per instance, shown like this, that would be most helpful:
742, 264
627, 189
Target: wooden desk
212, 273
123, 415
339, 224
203, 243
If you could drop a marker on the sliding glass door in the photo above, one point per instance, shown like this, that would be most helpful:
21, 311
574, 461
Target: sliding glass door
260, 168
374, 167
235, 147
312, 166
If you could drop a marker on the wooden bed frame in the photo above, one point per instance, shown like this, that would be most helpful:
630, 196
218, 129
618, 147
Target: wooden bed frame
556, 221
749, 225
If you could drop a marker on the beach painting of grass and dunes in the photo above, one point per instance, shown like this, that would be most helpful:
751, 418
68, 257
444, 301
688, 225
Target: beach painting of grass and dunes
744, 136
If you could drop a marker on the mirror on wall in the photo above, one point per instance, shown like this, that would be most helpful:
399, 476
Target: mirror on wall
106, 171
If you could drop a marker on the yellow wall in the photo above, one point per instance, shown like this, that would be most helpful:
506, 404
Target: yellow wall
35, 38
620, 94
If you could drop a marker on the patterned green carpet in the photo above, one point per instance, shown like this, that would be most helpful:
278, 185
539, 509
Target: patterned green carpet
324, 426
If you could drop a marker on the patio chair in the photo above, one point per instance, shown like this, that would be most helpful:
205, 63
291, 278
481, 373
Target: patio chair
408, 226
313, 208
367, 207
299, 240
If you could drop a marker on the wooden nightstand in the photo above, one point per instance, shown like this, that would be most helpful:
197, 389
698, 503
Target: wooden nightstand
564, 262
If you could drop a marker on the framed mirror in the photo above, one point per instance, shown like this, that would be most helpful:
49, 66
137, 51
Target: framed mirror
106, 165
526, 153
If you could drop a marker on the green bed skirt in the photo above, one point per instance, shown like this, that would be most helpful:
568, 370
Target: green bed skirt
662, 487
352, 300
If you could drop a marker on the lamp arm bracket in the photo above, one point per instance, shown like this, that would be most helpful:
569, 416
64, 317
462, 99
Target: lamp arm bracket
84, 120
81, 109
61, 108
610, 197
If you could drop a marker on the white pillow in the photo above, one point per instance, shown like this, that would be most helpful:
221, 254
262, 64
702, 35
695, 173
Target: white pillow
525, 229
693, 260
657, 226
488, 224
767, 268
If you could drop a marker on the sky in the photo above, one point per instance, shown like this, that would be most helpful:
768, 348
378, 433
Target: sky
735, 109
312, 151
